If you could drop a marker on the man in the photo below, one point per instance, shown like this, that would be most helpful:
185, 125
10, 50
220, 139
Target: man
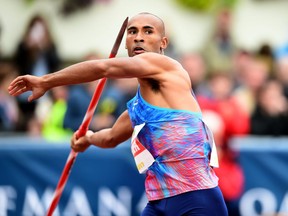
164, 117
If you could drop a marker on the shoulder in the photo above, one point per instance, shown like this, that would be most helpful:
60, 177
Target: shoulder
159, 60
155, 56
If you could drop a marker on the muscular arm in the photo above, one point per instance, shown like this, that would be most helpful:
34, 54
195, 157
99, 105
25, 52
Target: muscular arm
106, 138
111, 137
146, 65
141, 66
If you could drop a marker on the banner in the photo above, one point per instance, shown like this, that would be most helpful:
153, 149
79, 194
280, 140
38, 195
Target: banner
106, 182
265, 164
102, 182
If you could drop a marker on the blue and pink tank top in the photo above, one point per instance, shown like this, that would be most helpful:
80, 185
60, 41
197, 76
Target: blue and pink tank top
179, 143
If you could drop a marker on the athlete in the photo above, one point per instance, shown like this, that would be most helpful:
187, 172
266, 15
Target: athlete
163, 119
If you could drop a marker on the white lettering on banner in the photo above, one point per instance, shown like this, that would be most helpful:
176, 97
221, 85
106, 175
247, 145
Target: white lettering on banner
33, 205
284, 206
265, 198
78, 204
109, 203
142, 203
7, 195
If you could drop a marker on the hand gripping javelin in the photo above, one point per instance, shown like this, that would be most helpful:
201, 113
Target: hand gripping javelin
84, 125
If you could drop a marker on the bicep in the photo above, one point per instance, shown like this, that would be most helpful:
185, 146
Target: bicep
147, 65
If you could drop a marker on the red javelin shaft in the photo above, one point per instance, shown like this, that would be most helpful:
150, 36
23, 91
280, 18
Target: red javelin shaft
84, 126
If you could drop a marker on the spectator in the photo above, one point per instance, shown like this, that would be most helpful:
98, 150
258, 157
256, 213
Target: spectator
114, 101
254, 75
266, 53
241, 61
0, 41
271, 114
9, 113
220, 49
230, 172
282, 73
76, 111
111, 104
220, 109
53, 123
194, 64
36, 54
222, 101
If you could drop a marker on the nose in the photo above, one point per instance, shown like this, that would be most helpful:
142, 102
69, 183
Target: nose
139, 38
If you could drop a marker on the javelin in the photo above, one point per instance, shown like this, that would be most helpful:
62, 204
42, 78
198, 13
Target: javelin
84, 125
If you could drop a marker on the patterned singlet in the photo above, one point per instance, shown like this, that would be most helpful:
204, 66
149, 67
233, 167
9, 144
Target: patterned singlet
179, 143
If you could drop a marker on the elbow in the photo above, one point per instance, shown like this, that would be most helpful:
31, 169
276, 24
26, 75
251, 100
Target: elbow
104, 139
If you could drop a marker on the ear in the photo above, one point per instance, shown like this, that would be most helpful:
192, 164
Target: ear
164, 43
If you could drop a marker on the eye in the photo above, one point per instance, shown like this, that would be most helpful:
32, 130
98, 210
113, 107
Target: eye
148, 32
132, 32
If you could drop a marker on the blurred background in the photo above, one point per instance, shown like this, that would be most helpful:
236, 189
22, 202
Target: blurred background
236, 53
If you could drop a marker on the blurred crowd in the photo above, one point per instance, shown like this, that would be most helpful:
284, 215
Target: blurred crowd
61, 111
241, 92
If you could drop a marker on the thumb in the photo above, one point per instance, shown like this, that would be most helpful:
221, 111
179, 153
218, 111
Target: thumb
35, 95
31, 98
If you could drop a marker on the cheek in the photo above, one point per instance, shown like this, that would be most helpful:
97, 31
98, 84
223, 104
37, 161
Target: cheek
129, 40
128, 44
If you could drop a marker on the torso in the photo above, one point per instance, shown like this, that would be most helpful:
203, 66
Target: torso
177, 140
173, 91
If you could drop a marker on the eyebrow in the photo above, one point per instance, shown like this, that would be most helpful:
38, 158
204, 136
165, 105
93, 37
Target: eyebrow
148, 27
144, 27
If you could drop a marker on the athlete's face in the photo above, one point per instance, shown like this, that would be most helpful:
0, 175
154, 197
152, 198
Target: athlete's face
145, 33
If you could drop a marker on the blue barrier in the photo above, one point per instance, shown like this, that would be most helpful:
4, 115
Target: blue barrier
102, 182
265, 164
106, 181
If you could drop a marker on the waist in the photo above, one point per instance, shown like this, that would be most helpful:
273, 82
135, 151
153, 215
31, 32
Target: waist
166, 179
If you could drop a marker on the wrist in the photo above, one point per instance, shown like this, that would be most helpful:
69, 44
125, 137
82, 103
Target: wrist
45, 82
89, 135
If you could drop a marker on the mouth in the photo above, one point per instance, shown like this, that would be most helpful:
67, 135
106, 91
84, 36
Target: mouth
138, 50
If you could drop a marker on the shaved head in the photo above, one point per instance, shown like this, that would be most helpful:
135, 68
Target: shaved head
145, 33
161, 23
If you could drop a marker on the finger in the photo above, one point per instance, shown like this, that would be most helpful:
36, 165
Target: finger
73, 138
17, 87
79, 147
18, 90
17, 81
14, 84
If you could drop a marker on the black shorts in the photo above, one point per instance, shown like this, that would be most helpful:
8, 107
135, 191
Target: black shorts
208, 202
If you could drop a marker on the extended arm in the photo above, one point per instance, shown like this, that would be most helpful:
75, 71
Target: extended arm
106, 138
147, 65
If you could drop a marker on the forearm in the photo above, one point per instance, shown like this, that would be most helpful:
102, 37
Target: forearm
75, 74
103, 139
111, 137
107, 138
